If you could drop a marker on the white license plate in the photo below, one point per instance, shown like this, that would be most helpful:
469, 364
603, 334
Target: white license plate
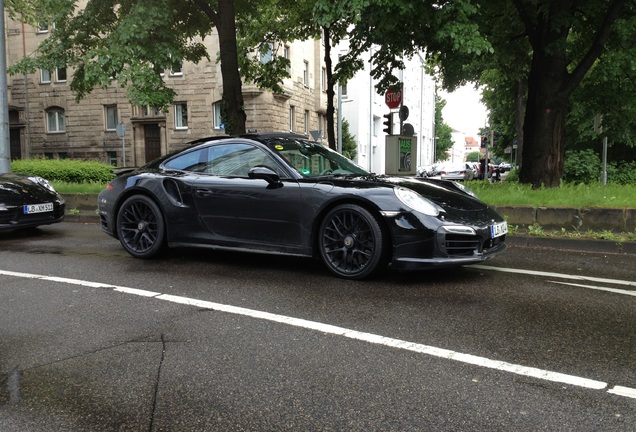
38, 208
499, 229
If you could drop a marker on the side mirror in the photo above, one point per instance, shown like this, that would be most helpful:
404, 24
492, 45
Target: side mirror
267, 174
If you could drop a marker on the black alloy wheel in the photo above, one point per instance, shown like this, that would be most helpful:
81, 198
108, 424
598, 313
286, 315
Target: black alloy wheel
351, 241
140, 227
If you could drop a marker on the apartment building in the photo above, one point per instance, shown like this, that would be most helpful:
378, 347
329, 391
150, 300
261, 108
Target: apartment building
45, 120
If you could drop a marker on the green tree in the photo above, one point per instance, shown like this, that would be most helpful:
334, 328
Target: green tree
349, 144
548, 45
473, 156
443, 132
132, 41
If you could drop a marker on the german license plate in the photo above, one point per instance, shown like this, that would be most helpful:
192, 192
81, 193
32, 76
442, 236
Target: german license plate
38, 208
498, 229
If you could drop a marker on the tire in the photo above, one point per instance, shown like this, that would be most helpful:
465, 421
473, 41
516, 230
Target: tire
141, 227
351, 242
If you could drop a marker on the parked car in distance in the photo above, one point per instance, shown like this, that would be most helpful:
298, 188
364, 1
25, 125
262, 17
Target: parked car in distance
456, 171
27, 202
281, 193
505, 166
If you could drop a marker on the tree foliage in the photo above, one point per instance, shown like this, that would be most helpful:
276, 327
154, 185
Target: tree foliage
131, 42
543, 49
443, 132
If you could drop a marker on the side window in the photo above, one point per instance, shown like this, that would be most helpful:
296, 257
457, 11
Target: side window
192, 161
235, 160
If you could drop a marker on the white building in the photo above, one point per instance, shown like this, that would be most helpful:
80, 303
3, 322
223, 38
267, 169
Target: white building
364, 108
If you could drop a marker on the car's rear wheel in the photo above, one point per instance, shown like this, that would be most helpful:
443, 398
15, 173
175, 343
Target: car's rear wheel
351, 241
141, 227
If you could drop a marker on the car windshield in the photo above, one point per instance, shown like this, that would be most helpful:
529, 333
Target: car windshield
312, 159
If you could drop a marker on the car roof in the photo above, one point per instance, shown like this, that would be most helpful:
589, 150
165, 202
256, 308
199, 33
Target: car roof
258, 136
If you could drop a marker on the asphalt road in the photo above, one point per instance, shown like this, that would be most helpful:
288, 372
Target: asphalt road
92, 339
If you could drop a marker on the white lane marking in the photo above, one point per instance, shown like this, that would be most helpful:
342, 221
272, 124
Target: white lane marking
554, 275
613, 290
352, 334
623, 391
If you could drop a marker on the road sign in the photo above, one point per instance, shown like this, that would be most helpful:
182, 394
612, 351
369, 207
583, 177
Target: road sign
393, 98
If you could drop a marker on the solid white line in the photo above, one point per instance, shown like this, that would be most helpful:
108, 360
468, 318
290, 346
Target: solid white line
351, 334
614, 290
394, 343
623, 391
553, 275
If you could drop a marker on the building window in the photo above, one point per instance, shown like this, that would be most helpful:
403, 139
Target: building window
268, 55
60, 74
306, 122
111, 158
292, 111
343, 87
62, 155
55, 120
217, 119
181, 116
177, 69
111, 117
45, 76
287, 55
146, 111
306, 73
323, 80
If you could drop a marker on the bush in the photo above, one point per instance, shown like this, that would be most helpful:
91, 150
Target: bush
65, 170
622, 173
581, 167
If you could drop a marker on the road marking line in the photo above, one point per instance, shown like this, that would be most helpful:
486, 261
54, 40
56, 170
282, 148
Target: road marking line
623, 391
554, 275
352, 334
614, 290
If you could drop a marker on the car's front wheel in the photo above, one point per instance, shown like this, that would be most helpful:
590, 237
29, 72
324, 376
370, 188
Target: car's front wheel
141, 227
351, 241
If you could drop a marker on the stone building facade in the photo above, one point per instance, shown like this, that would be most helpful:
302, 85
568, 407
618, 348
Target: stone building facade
46, 121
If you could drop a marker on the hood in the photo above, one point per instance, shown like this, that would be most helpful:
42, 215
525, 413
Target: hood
444, 193
17, 189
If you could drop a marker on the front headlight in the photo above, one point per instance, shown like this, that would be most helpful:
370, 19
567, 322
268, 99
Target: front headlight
42, 182
415, 201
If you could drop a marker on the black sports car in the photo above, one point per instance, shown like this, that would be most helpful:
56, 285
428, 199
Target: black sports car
282, 193
28, 201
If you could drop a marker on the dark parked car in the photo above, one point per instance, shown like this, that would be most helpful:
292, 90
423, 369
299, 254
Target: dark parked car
27, 202
284, 194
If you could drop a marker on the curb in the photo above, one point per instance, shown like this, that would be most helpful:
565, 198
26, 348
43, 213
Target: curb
579, 245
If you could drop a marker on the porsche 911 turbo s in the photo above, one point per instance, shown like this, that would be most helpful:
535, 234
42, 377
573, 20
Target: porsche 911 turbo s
28, 202
282, 193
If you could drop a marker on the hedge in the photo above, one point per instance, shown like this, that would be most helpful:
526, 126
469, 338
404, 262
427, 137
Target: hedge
65, 170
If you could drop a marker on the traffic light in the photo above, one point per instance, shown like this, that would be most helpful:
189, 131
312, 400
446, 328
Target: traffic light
388, 123
484, 141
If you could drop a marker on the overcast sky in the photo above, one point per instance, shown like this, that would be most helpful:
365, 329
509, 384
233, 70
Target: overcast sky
463, 111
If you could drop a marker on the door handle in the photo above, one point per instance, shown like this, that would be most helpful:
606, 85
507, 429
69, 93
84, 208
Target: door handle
202, 193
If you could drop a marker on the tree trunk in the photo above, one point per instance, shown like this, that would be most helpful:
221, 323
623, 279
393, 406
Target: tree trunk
544, 150
331, 138
520, 113
233, 115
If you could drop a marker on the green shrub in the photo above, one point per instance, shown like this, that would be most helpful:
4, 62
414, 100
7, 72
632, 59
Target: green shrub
65, 170
582, 166
621, 173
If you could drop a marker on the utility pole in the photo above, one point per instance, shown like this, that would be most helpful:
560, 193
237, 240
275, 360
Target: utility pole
5, 149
